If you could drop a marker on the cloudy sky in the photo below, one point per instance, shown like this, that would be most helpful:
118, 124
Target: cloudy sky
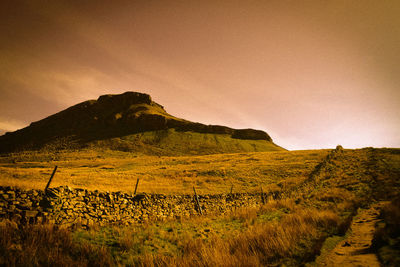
313, 74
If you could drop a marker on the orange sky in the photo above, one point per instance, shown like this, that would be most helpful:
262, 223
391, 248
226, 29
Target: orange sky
313, 74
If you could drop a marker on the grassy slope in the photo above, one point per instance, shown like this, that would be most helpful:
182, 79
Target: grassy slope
172, 142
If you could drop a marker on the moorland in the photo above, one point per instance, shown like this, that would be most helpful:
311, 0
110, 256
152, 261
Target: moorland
321, 191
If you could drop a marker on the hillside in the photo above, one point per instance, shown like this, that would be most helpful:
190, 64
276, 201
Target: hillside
132, 122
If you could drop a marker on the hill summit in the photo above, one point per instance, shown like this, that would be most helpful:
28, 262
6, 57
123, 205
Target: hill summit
131, 120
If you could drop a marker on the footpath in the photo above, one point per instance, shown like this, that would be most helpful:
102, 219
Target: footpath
355, 249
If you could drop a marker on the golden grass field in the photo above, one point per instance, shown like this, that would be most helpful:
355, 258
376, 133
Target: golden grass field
118, 171
316, 209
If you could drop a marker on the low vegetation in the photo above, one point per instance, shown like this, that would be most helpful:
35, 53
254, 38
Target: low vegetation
387, 238
320, 192
278, 232
111, 170
46, 245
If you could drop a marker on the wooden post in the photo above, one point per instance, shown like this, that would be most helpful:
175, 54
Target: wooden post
197, 201
51, 178
137, 182
262, 196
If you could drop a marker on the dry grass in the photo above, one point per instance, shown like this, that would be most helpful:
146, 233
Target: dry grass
387, 238
118, 171
279, 232
46, 245
296, 235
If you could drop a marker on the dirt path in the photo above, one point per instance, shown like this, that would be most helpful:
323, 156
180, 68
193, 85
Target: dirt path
354, 250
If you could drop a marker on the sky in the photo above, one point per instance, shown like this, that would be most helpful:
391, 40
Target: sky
312, 74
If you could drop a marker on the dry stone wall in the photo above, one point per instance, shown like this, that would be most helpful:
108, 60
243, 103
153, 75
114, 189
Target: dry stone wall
67, 206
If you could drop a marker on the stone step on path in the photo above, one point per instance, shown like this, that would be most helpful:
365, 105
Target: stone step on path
355, 249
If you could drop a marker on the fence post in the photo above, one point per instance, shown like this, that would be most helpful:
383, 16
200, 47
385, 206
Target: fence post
262, 196
51, 178
137, 182
197, 201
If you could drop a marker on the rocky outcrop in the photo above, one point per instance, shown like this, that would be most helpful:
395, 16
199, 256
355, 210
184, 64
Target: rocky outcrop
251, 134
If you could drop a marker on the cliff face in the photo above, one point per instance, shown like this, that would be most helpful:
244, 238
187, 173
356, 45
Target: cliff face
111, 116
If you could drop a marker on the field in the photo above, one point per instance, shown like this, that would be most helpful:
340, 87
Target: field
118, 171
320, 193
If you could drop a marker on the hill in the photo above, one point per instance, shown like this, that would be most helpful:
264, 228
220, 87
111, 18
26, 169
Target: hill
132, 122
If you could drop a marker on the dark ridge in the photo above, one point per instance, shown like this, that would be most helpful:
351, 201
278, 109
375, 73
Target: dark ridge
107, 117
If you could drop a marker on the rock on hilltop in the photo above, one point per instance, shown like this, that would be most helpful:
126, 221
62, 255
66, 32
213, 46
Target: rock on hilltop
108, 117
